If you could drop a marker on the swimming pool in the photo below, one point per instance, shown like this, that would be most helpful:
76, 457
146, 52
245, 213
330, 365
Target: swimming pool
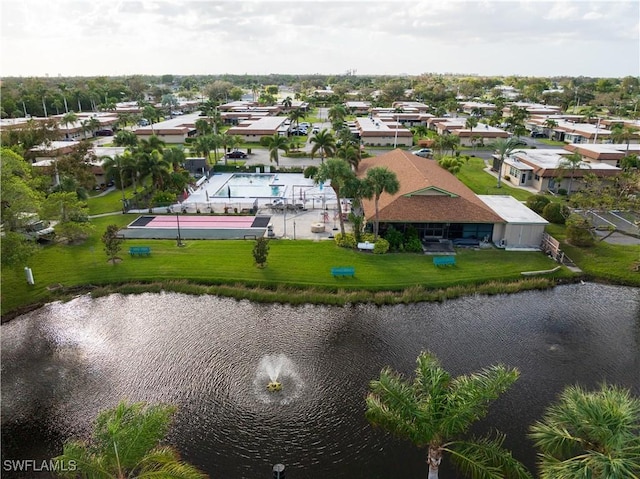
251, 185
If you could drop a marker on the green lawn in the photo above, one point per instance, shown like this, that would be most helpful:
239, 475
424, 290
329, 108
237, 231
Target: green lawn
482, 183
615, 263
229, 262
108, 203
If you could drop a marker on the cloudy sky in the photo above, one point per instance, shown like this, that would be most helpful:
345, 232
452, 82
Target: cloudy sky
485, 37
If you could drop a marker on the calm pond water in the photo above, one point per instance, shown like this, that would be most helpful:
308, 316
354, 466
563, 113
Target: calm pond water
212, 357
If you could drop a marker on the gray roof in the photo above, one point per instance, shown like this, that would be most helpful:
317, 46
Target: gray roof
512, 210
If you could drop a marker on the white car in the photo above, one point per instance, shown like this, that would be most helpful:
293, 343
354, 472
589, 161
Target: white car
315, 129
424, 152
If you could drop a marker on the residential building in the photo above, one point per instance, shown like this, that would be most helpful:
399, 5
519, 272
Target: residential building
440, 207
543, 170
254, 129
375, 132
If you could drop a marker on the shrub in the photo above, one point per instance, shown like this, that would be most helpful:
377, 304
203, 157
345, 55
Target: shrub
261, 251
413, 245
579, 231
370, 237
395, 238
163, 198
537, 203
555, 213
562, 192
381, 246
310, 171
410, 233
346, 241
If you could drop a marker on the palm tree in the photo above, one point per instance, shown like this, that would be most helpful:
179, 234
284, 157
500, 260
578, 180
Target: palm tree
471, 123
68, 119
590, 435
126, 138
154, 165
131, 166
622, 134
572, 163
447, 142
203, 127
337, 114
274, 143
287, 102
379, 180
435, 411
420, 131
550, 124
205, 144
153, 143
235, 141
84, 126
111, 165
296, 115
174, 157
340, 174
126, 443
325, 143
503, 149
349, 153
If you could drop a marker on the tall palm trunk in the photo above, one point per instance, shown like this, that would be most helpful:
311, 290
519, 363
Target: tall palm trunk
376, 226
337, 190
433, 460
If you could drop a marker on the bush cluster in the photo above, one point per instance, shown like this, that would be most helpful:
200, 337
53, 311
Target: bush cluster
408, 242
556, 213
537, 203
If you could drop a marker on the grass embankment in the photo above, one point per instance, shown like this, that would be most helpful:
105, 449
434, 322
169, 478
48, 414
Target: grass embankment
303, 266
616, 263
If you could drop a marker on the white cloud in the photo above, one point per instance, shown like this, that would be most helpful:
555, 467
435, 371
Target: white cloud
189, 36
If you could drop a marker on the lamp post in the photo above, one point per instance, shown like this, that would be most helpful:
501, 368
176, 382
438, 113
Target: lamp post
395, 140
179, 239
284, 213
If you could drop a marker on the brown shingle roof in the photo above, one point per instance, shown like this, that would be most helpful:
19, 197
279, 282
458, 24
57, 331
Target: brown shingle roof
428, 193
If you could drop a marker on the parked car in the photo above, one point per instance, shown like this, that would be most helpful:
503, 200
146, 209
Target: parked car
143, 122
424, 152
304, 124
299, 132
538, 134
236, 154
315, 129
104, 133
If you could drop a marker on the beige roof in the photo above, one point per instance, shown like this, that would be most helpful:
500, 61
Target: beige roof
428, 193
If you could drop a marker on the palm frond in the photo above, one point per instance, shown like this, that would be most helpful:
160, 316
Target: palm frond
164, 463
78, 458
470, 395
591, 434
391, 405
486, 458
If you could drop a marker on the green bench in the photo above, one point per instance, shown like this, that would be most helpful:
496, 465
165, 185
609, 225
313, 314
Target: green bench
343, 271
140, 251
444, 260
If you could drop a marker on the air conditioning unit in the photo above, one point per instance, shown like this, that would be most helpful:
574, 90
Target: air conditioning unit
502, 243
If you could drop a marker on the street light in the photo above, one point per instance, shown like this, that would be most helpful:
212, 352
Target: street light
179, 239
395, 140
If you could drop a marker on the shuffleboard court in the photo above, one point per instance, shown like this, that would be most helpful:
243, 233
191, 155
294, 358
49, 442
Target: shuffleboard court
196, 227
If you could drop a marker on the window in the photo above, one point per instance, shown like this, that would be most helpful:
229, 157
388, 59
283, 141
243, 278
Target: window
537, 177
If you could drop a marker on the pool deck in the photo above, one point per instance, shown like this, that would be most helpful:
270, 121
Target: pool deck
312, 212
